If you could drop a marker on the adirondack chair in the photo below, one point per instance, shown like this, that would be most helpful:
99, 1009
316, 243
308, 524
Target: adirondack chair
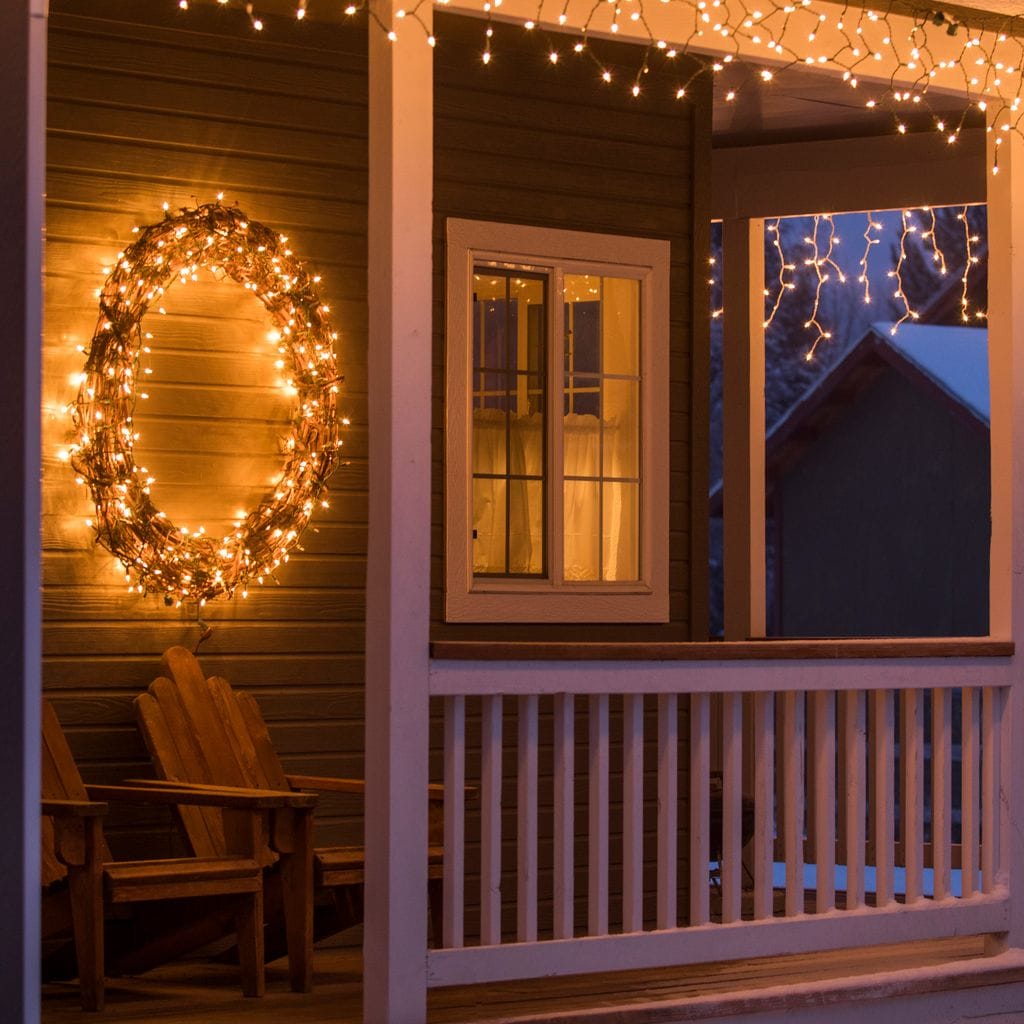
202, 732
80, 878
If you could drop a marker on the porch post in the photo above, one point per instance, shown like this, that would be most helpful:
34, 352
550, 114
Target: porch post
743, 427
22, 183
1006, 576
398, 567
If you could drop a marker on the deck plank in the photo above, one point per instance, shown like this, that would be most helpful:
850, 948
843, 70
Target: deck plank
198, 992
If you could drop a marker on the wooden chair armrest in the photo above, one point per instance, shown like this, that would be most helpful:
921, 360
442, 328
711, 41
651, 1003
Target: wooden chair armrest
226, 797
327, 784
74, 808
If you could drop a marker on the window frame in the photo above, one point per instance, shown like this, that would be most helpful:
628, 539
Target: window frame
552, 599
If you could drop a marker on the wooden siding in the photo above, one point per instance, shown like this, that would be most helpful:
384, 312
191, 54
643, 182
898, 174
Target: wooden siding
519, 141
525, 142
146, 105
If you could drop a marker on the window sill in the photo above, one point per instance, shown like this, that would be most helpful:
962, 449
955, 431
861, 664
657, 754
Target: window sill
745, 650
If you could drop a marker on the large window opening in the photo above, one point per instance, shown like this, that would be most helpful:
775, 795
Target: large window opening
876, 425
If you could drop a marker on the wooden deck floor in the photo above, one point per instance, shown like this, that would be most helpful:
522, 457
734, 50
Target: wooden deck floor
198, 992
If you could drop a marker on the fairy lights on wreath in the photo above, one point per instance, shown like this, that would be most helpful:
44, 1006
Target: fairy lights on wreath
191, 567
927, 48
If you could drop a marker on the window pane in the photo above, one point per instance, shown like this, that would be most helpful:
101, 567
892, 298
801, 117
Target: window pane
508, 443
581, 440
602, 427
621, 421
490, 442
620, 513
620, 325
489, 529
582, 530
526, 525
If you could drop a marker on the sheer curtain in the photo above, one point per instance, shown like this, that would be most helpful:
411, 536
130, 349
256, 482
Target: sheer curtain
495, 496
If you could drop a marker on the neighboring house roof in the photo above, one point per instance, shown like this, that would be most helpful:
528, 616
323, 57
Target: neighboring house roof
950, 362
955, 358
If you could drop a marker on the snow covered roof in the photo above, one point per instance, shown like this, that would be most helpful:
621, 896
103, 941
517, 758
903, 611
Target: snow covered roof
955, 358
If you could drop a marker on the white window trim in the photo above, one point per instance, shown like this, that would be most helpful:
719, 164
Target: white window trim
538, 600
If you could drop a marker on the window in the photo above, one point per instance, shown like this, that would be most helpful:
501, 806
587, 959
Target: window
557, 426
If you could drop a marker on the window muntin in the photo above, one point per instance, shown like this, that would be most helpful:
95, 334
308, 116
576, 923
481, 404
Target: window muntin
557, 480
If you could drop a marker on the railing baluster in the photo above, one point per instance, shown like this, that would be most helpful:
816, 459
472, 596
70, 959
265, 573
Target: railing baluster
764, 792
597, 854
490, 820
991, 701
700, 810
824, 711
855, 758
970, 796
454, 818
731, 868
884, 813
668, 809
564, 809
942, 791
632, 812
526, 814
793, 783
912, 812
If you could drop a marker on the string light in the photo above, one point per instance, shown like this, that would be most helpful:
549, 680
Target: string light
907, 228
817, 262
869, 242
190, 567
927, 48
970, 262
821, 263
784, 285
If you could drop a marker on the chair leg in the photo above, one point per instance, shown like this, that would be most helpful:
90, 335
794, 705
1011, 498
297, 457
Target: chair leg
296, 868
250, 943
85, 883
435, 899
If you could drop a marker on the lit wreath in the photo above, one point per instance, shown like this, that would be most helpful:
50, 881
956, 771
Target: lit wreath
158, 557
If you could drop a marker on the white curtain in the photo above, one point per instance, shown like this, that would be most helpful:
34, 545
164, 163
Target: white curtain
583, 540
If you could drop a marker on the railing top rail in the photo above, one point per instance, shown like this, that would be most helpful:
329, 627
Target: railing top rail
744, 650
636, 675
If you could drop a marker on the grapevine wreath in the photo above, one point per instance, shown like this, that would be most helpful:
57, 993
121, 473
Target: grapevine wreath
191, 567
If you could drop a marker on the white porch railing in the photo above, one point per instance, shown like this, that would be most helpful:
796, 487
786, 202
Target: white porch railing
593, 832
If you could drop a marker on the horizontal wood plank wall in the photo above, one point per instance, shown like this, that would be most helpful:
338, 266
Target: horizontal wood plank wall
520, 140
149, 104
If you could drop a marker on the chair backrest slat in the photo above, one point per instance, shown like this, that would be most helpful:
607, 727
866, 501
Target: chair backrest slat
204, 719
270, 764
243, 745
176, 756
61, 780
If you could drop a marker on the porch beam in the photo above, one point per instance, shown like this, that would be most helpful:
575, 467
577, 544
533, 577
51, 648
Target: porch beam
22, 184
677, 26
879, 173
398, 564
743, 428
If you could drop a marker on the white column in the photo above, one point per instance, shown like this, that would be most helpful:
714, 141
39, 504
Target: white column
743, 427
398, 567
22, 183
1006, 385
